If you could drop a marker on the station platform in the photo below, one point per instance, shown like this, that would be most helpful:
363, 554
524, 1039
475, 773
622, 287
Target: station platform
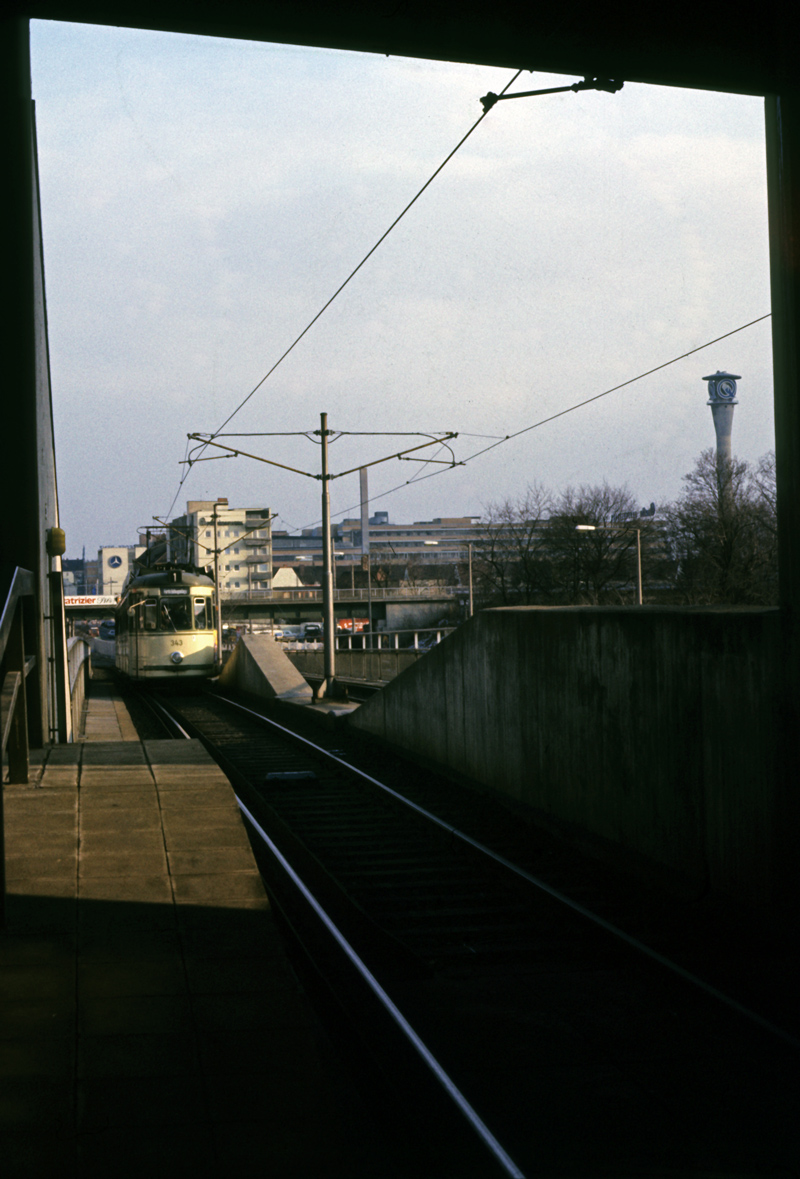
150, 1022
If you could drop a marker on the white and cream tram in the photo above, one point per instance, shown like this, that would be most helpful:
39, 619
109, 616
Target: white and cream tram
166, 627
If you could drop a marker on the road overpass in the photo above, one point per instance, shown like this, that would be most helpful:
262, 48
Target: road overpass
392, 608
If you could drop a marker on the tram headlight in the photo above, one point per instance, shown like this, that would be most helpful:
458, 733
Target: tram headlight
177, 658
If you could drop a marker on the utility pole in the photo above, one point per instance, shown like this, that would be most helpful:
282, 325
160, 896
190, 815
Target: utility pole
365, 557
216, 583
329, 681
328, 685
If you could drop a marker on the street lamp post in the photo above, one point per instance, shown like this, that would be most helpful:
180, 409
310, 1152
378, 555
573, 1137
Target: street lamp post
594, 528
469, 550
432, 543
638, 566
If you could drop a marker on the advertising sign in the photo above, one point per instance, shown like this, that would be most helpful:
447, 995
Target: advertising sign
90, 600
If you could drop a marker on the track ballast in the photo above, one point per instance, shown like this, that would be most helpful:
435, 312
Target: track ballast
581, 1054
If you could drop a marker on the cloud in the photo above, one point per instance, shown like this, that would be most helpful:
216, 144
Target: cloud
202, 200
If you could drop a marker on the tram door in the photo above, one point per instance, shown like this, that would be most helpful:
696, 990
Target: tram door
144, 623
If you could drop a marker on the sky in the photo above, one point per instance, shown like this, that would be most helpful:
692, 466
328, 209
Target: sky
203, 199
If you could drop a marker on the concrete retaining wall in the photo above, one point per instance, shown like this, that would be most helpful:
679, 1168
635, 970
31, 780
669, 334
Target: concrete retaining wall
371, 667
416, 615
654, 731
260, 666
79, 664
104, 651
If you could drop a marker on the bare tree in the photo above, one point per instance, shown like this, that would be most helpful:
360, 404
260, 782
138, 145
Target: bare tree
593, 543
723, 533
766, 494
511, 562
765, 486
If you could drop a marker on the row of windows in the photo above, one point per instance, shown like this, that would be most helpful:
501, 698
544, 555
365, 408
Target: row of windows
179, 613
259, 568
256, 533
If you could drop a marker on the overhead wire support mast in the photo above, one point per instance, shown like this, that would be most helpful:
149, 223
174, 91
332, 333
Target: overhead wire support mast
606, 84
328, 686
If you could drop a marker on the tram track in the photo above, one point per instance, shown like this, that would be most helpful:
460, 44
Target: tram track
494, 971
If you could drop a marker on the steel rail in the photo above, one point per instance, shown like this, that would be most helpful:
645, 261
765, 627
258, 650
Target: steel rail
478, 1125
641, 947
157, 707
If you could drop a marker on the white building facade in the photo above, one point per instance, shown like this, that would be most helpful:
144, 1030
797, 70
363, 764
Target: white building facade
115, 564
241, 537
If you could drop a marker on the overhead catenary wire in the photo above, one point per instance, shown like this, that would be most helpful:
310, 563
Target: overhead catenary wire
365, 259
615, 388
349, 278
501, 439
498, 440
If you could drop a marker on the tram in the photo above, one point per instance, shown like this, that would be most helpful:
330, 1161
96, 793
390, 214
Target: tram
166, 627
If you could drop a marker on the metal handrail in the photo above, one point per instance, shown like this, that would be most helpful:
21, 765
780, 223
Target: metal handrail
13, 714
22, 586
314, 593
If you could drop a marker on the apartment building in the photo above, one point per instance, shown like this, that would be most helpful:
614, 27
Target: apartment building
241, 537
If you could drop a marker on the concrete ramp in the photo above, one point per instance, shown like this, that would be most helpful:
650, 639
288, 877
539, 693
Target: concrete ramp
261, 666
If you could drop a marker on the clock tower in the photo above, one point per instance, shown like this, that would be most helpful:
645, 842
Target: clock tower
722, 399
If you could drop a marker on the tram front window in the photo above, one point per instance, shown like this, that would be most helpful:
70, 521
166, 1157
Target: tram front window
176, 614
202, 614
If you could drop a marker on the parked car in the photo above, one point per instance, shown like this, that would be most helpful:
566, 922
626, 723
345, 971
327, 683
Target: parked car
107, 629
312, 631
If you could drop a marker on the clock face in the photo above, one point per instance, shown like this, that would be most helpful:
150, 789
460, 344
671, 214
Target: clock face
725, 390
115, 562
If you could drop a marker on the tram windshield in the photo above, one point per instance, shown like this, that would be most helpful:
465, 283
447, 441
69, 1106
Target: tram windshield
181, 612
175, 614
